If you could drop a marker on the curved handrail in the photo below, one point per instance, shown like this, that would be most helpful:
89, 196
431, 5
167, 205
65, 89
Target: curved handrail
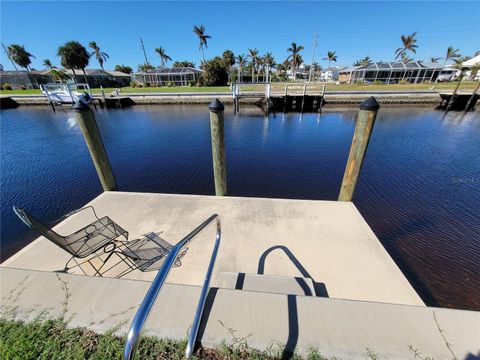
133, 337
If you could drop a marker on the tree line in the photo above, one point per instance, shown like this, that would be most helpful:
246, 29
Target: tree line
75, 56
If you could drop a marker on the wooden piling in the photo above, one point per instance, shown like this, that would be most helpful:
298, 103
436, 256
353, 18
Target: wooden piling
88, 125
119, 103
303, 97
285, 99
218, 147
321, 99
361, 137
49, 99
472, 97
452, 98
103, 95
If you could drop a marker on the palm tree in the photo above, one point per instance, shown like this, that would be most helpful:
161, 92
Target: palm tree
435, 59
20, 56
48, 64
73, 55
474, 71
200, 32
269, 62
294, 57
163, 55
365, 61
241, 61
99, 55
253, 53
330, 57
59, 74
316, 68
409, 44
451, 54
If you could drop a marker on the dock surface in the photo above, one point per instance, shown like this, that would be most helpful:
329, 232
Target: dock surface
326, 241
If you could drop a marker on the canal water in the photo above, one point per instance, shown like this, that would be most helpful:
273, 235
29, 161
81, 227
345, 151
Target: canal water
419, 189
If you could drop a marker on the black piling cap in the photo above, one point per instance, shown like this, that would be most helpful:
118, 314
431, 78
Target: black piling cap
216, 106
370, 104
81, 105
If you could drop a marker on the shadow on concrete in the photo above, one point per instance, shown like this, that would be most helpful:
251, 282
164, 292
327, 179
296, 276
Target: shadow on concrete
320, 288
292, 340
212, 293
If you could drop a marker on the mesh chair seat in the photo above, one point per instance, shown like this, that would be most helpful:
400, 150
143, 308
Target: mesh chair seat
92, 237
148, 253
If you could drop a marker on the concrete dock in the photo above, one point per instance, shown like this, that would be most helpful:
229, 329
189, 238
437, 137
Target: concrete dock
291, 275
327, 241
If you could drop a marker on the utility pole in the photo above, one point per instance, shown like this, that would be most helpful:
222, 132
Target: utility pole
9, 58
313, 57
144, 53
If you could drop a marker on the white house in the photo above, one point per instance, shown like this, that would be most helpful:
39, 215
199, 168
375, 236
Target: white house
468, 66
331, 73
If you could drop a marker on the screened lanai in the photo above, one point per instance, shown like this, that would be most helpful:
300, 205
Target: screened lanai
392, 72
162, 77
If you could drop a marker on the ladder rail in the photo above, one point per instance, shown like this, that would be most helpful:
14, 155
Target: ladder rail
133, 336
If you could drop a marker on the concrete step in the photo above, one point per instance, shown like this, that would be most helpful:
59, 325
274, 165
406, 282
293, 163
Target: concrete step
345, 329
266, 283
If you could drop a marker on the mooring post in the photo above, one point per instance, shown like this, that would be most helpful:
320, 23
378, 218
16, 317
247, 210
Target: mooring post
452, 98
321, 99
285, 99
218, 147
472, 97
48, 97
86, 121
103, 95
361, 137
303, 97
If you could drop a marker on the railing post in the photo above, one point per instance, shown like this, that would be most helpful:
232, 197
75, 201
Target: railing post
361, 137
86, 120
218, 147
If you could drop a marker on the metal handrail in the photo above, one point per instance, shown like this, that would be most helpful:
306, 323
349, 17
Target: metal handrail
133, 337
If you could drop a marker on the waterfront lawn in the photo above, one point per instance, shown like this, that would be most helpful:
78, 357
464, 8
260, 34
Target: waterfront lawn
52, 339
277, 87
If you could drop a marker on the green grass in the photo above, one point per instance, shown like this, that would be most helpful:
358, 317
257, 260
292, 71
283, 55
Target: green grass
277, 87
52, 340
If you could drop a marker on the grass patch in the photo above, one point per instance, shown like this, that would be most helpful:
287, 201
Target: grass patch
277, 87
52, 340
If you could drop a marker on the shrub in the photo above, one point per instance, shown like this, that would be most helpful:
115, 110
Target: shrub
139, 85
7, 86
23, 87
214, 73
170, 84
191, 83
146, 84
402, 81
359, 82
133, 84
377, 82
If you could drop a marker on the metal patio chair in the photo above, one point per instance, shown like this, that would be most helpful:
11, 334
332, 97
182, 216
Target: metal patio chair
145, 254
102, 234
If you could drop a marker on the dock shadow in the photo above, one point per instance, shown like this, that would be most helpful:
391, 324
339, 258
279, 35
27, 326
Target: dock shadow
207, 309
320, 288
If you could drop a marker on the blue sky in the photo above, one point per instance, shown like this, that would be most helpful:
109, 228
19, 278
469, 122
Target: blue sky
352, 29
